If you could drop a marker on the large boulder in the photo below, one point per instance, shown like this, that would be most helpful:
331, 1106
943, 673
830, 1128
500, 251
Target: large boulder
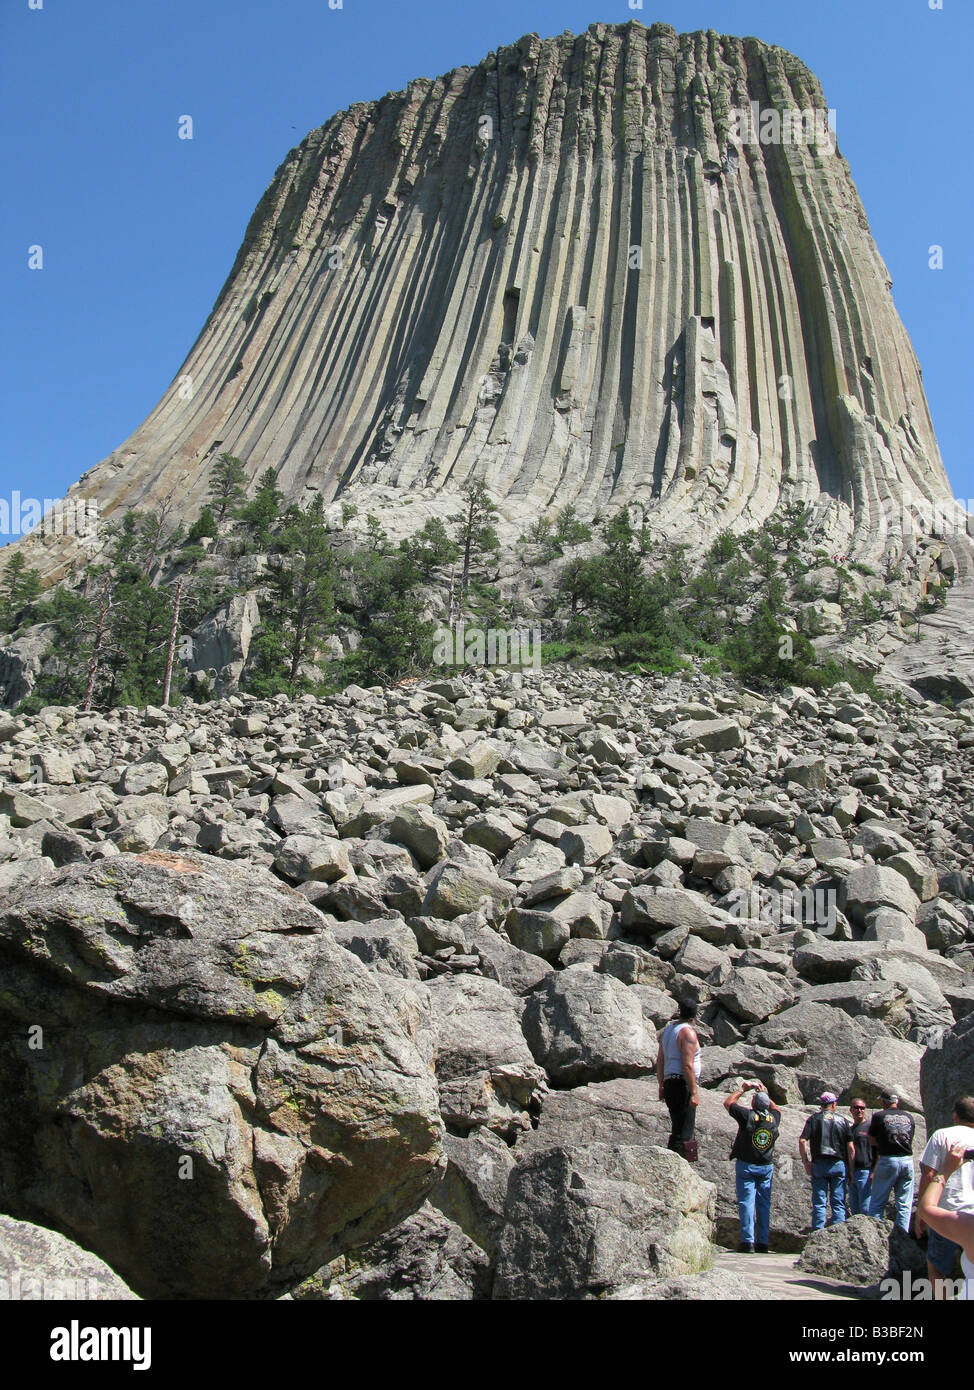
585, 1219
39, 1264
582, 1026
833, 1044
861, 1251
198, 1082
947, 1071
486, 1073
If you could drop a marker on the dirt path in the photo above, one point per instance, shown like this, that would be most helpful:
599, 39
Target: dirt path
775, 1276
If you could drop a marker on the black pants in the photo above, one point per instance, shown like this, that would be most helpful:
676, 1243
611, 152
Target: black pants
683, 1115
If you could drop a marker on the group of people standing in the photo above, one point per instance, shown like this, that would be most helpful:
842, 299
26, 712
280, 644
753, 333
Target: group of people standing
857, 1165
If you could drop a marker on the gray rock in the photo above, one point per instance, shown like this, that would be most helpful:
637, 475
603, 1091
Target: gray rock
486, 1073
427, 1258
583, 1026
473, 1189
203, 1016
861, 1251
39, 1264
947, 1071
588, 1218
656, 910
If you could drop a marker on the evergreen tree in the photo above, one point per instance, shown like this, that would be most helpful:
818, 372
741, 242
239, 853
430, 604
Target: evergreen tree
474, 533
20, 586
262, 513
300, 606
227, 476
431, 548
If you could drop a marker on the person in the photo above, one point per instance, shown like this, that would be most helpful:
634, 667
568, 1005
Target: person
678, 1073
956, 1226
957, 1194
862, 1160
891, 1133
828, 1154
757, 1134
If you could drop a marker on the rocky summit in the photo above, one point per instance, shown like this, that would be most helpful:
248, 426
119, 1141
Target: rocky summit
358, 997
587, 270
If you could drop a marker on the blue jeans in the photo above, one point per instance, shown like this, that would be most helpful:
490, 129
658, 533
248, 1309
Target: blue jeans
893, 1176
754, 1200
859, 1193
828, 1186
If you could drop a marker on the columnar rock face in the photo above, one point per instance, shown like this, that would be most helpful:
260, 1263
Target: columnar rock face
570, 273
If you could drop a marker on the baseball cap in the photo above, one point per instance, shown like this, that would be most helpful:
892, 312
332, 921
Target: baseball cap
761, 1101
827, 1098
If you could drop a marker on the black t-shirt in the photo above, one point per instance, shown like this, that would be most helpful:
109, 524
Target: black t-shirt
755, 1137
860, 1137
893, 1131
828, 1134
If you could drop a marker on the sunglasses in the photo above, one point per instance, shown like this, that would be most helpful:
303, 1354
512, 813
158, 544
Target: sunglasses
858, 1107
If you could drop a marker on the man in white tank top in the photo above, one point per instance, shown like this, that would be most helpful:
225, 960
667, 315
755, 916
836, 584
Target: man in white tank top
678, 1073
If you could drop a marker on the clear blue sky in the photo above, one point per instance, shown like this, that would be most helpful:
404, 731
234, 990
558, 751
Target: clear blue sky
140, 228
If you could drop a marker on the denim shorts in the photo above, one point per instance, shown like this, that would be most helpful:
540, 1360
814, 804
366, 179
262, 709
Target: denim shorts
942, 1253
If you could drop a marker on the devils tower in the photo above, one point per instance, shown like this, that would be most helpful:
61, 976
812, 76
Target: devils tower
562, 272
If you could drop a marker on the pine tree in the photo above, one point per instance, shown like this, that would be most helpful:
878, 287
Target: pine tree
300, 606
262, 513
475, 532
226, 479
20, 586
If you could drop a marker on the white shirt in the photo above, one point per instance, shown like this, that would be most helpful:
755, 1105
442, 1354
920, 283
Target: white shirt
958, 1193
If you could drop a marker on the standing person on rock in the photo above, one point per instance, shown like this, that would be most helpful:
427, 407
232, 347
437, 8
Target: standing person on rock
862, 1162
757, 1134
828, 1153
891, 1132
678, 1073
955, 1226
957, 1194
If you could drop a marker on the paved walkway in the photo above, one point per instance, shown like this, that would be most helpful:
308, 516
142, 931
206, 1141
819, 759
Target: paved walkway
775, 1276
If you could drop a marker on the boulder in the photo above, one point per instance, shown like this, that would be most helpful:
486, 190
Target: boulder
873, 886
891, 1062
486, 1073
861, 1251
584, 1219
654, 910
753, 995
833, 1044
454, 889
473, 1189
427, 1258
205, 1036
36, 1263
582, 1026
947, 1071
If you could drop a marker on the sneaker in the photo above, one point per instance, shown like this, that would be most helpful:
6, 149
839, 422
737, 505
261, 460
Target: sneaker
761, 1249
746, 1248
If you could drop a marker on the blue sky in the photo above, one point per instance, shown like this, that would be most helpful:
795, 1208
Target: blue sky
139, 228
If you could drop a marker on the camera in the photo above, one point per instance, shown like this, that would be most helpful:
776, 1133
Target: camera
969, 1156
